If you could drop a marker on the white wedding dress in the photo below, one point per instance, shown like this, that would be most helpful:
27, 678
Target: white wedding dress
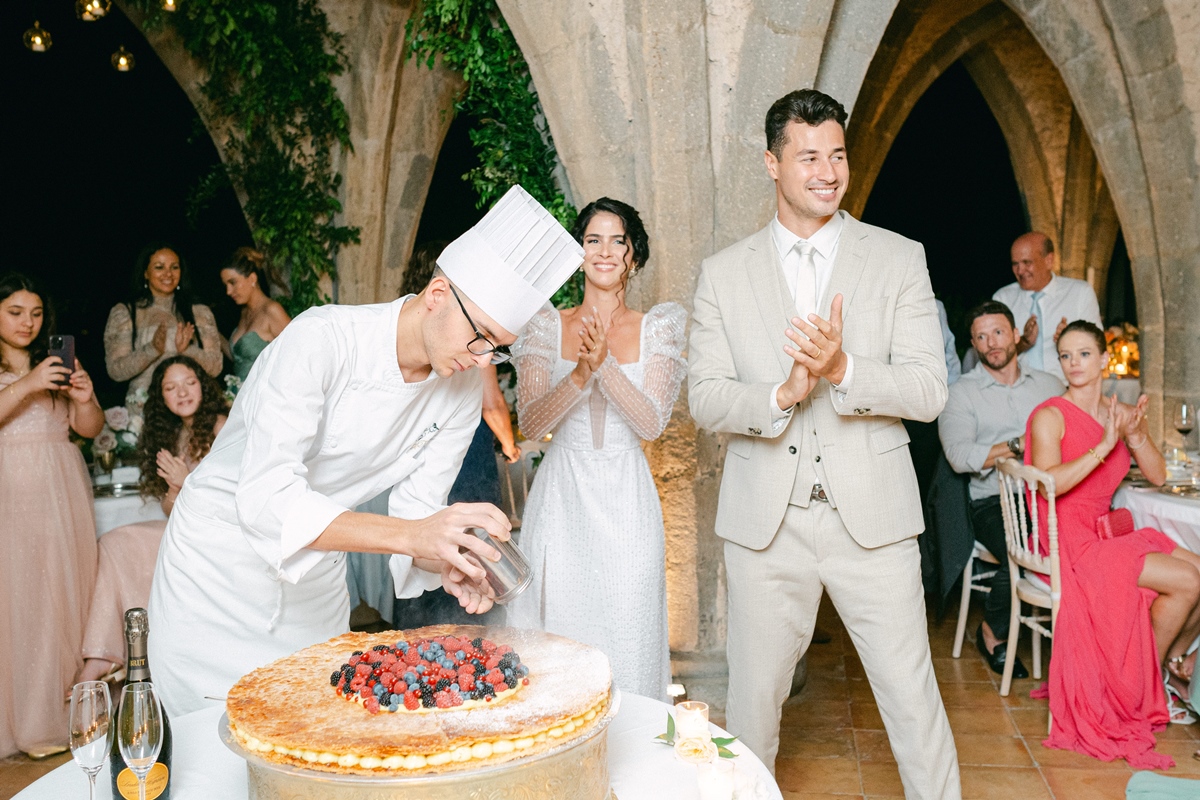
593, 528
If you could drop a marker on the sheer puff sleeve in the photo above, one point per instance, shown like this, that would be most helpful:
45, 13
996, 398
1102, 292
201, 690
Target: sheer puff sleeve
540, 402
122, 360
648, 410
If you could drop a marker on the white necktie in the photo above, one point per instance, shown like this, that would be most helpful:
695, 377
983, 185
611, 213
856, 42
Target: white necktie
806, 280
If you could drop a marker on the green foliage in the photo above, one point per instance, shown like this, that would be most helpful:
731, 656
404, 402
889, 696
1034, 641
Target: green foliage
270, 66
511, 138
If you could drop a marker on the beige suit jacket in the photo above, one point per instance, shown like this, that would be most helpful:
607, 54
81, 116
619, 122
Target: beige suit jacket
735, 359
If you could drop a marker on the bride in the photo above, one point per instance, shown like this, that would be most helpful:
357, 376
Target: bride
602, 377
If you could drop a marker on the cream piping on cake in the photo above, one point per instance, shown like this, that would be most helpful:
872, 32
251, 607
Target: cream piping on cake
478, 751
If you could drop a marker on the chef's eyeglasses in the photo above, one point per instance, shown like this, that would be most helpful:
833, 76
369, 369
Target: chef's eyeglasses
481, 345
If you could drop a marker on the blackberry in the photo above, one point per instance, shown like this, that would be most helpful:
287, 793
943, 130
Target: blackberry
511, 683
507, 661
385, 698
477, 642
335, 677
380, 647
357, 653
480, 669
427, 701
488, 689
441, 684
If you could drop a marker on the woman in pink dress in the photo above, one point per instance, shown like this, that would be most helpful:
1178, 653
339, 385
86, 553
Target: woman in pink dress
184, 412
1129, 604
47, 528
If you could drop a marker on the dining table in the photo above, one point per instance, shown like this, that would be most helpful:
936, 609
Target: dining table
1173, 509
640, 768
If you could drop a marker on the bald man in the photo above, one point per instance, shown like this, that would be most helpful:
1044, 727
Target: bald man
1043, 302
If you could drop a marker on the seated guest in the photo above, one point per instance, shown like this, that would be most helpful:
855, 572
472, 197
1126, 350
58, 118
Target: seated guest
984, 420
1130, 602
1042, 302
157, 321
184, 413
248, 283
47, 531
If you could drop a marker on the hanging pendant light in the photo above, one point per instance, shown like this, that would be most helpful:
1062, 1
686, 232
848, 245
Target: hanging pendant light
37, 38
92, 10
123, 60
170, 5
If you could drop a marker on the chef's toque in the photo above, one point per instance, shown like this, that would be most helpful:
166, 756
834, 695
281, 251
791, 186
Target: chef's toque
512, 260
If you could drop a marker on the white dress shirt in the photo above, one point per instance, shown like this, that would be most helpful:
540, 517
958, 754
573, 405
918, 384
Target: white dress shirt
825, 247
953, 366
1061, 297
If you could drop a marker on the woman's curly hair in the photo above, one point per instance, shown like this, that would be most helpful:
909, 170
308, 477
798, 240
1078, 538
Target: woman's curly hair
161, 427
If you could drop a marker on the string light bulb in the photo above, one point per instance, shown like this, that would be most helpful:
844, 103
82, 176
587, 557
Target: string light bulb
37, 38
92, 10
123, 60
170, 5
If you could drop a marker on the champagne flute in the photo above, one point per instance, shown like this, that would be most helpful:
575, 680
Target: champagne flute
91, 728
140, 730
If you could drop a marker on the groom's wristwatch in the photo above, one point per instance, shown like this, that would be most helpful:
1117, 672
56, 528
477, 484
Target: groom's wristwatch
1014, 446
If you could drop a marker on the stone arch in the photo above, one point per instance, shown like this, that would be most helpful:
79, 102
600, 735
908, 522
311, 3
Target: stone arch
400, 112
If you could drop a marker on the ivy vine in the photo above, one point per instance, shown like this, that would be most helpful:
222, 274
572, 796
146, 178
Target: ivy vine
270, 67
511, 138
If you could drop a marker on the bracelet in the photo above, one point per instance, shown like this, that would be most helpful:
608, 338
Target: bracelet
1133, 446
1096, 455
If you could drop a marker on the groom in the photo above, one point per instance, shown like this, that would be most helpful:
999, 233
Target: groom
811, 340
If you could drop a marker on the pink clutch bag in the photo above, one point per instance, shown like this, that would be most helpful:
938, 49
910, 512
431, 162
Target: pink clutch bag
1115, 523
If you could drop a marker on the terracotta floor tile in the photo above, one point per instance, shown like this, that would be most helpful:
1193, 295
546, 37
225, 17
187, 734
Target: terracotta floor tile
823, 688
881, 778
860, 689
1181, 732
816, 714
1086, 784
1030, 722
1050, 757
971, 695
873, 746
968, 668
980, 720
865, 716
1004, 783
1181, 751
816, 743
818, 796
830, 775
992, 750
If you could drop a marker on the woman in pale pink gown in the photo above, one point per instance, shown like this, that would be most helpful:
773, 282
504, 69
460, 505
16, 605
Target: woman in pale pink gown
47, 527
1129, 604
184, 412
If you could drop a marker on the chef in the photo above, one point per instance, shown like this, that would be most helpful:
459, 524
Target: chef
347, 402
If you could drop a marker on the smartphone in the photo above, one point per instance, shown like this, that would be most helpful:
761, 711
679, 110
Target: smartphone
64, 347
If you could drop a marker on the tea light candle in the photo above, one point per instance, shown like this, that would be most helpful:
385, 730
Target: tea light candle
691, 720
715, 780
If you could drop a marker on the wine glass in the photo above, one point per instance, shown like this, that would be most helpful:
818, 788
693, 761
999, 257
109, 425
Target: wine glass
1185, 419
140, 730
91, 728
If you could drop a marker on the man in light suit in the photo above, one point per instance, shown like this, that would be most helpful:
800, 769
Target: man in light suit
811, 340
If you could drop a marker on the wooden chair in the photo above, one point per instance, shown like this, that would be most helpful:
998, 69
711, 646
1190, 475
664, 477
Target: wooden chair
973, 582
1021, 524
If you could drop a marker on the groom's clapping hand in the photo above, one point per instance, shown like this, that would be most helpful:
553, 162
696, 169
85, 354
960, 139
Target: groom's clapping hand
821, 353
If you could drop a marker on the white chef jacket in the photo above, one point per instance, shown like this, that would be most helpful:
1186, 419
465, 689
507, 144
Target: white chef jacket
1062, 297
325, 421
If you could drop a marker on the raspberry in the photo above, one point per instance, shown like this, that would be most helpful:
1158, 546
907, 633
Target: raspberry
412, 701
442, 699
363, 670
411, 657
354, 660
467, 683
495, 677
372, 705
492, 662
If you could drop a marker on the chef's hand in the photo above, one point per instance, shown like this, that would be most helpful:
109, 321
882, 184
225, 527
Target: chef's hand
476, 597
443, 536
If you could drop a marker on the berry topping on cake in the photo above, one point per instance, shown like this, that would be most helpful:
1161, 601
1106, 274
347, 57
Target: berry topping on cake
443, 672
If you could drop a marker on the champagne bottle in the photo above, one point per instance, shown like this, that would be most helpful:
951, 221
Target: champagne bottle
158, 781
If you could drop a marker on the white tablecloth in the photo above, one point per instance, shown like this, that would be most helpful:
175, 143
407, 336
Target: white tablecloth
1177, 517
113, 512
639, 768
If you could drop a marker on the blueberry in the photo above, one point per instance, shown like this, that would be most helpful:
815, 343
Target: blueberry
454, 687
420, 668
378, 689
460, 655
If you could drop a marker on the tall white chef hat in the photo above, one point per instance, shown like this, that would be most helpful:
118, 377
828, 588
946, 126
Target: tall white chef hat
513, 260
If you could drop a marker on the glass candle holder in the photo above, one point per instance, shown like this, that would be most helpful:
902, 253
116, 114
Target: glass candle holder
691, 720
715, 780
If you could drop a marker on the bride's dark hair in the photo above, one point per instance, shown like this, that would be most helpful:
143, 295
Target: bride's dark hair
161, 427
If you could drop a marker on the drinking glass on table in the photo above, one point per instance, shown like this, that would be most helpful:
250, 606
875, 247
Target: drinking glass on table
1185, 420
91, 728
140, 730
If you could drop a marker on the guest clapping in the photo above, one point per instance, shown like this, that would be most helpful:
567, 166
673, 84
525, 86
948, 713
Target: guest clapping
184, 412
47, 531
158, 320
603, 377
1129, 603
247, 281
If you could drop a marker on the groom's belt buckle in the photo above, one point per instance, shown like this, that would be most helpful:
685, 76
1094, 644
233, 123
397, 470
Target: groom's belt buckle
818, 493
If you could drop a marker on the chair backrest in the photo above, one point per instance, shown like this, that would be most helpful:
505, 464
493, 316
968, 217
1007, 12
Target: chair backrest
1019, 485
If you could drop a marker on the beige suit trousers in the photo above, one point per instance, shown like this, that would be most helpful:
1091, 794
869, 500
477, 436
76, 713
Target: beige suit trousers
773, 598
